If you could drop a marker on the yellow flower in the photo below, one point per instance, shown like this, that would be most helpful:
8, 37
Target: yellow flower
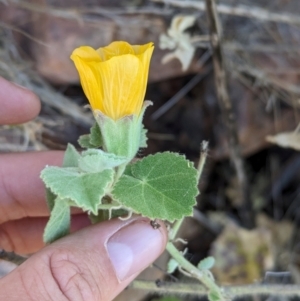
114, 78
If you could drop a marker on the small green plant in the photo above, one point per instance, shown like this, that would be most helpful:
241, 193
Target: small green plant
104, 180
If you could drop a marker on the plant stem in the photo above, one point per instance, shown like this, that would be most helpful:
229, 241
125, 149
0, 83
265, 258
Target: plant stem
175, 229
194, 271
199, 290
170, 287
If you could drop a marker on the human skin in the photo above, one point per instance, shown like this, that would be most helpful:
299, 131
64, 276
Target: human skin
95, 262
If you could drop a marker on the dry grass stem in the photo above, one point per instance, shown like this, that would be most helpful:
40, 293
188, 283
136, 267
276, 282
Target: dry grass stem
246, 211
238, 10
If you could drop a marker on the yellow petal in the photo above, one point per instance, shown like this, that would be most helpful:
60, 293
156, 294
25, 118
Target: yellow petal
115, 49
114, 78
140, 49
87, 62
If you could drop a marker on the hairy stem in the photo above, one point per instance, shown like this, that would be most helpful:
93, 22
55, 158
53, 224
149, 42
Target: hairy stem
175, 229
199, 290
194, 272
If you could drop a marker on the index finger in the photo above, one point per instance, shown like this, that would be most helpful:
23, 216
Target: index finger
22, 192
17, 104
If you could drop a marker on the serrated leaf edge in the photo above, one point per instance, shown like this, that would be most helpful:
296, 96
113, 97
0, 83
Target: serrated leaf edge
106, 189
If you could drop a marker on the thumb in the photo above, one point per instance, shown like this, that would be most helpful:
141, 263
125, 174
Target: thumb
94, 264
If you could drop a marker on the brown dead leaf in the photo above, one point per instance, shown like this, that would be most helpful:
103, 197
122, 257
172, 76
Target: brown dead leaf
281, 232
242, 256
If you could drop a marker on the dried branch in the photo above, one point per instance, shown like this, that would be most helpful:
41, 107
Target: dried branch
235, 46
86, 13
238, 10
180, 94
246, 211
184, 90
266, 78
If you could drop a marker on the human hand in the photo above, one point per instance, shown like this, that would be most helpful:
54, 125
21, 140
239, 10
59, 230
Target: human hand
94, 263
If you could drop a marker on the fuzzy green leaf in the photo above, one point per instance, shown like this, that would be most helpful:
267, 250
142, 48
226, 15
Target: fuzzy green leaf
206, 263
85, 190
214, 296
144, 138
59, 222
95, 136
84, 141
71, 157
92, 140
50, 198
161, 186
172, 266
96, 160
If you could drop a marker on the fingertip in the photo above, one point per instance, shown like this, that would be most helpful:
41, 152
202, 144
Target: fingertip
135, 246
18, 104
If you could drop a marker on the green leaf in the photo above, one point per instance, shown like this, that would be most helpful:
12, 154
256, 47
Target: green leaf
144, 138
172, 266
96, 160
214, 296
86, 190
71, 157
59, 222
95, 136
92, 140
161, 186
50, 198
206, 263
84, 141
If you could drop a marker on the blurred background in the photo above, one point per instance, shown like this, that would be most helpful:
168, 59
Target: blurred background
249, 224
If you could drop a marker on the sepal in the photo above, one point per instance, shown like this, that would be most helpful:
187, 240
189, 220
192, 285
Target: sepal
122, 137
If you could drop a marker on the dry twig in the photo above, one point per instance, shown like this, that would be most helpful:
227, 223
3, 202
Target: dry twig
90, 14
245, 209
